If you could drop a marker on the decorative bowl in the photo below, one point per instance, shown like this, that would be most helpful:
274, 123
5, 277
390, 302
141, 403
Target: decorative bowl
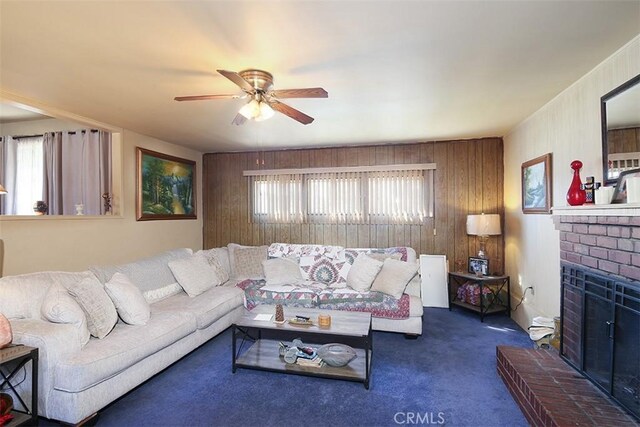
336, 354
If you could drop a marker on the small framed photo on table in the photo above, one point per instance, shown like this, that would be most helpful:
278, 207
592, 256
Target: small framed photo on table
478, 266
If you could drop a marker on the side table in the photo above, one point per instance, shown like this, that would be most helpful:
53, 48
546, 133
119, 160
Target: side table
12, 360
496, 284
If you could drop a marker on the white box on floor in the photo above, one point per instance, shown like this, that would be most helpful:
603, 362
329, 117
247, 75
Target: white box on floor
433, 272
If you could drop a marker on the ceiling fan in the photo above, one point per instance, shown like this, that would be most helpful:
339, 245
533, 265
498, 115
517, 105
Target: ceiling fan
257, 85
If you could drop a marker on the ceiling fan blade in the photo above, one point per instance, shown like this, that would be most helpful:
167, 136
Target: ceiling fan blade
311, 92
237, 79
291, 112
205, 97
239, 120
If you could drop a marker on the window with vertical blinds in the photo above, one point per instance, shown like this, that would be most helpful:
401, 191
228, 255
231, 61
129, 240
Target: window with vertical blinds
391, 194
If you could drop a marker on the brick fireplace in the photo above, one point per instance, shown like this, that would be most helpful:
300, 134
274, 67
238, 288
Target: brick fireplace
600, 307
596, 378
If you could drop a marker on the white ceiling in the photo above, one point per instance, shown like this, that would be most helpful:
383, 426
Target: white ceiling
10, 113
396, 71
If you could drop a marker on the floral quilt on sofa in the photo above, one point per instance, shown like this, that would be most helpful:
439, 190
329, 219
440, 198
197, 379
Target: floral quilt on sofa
319, 295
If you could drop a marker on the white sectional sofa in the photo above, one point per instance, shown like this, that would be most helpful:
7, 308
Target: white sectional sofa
76, 380
79, 375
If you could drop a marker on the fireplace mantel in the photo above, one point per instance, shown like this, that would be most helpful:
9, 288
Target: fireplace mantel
627, 209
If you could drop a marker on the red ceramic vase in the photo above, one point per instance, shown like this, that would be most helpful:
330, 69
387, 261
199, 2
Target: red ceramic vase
576, 195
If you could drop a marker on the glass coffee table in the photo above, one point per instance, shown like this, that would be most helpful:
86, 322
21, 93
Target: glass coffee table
255, 343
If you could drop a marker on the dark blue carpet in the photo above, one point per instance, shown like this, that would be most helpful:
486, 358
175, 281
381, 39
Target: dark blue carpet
448, 374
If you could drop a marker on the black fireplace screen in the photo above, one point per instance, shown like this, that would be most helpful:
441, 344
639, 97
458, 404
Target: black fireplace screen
600, 317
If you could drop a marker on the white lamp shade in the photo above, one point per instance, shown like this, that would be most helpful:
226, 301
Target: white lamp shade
483, 225
266, 112
250, 109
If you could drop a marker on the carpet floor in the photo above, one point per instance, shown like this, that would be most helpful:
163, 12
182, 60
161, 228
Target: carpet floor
447, 376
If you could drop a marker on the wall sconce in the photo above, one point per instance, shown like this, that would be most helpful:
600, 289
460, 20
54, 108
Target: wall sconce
483, 226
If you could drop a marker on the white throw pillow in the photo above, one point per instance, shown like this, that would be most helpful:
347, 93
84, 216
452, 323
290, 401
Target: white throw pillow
363, 272
394, 277
194, 274
220, 273
246, 261
281, 271
131, 306
221, 254
60, 307
96, 304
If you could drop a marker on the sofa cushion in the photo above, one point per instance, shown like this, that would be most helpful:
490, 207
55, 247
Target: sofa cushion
207, 307
102, 359
281, 271
246, 261
363, 272
148, 273
97, 306
130, 304
60, 307
158, 294
394, 277
21, 296
194, 274
221, 255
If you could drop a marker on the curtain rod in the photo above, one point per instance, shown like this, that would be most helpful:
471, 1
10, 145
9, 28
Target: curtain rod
379, 168
70, 132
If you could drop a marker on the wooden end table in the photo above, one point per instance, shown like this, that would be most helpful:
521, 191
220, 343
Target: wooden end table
20, 355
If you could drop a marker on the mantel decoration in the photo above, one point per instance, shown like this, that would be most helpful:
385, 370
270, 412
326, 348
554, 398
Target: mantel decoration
576, 196
536, 185
165, 186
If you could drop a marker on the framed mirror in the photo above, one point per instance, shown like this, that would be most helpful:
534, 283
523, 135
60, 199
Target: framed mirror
620, 112
52, 164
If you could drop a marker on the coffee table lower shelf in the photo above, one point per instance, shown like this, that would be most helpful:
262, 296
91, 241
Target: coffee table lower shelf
264, 355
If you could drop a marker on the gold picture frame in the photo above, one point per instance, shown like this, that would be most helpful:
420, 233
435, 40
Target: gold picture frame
536, 185
165, 186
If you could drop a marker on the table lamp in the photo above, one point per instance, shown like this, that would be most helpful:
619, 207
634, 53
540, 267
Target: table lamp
483, 226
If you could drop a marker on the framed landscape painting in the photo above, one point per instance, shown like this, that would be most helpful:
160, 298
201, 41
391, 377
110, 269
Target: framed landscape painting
536, 185
165, 187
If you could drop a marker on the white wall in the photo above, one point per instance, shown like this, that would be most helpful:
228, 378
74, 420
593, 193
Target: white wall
73, 243
32, 127
569, 127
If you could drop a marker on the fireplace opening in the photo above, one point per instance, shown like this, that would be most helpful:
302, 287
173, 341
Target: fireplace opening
600, 321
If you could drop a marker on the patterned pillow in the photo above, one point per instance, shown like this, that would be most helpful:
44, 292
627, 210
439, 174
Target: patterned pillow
246, 261
97, 306
319, 268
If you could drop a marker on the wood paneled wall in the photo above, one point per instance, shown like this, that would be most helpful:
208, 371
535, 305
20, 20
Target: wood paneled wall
623, 140
468, 180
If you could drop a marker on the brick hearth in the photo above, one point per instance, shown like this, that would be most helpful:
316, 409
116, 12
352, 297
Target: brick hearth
551, 393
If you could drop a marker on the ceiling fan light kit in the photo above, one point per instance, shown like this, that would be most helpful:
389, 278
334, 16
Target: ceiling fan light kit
257, 84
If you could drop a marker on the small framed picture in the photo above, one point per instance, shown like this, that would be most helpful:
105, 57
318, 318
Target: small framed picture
478, 266
536, 185
620, 193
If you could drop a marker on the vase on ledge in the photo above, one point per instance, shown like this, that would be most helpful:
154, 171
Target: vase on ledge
576, 196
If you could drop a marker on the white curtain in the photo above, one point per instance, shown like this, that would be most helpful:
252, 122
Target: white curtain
77, 171
22, 165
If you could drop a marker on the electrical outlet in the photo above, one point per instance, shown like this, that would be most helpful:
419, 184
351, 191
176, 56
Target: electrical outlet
532, 290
